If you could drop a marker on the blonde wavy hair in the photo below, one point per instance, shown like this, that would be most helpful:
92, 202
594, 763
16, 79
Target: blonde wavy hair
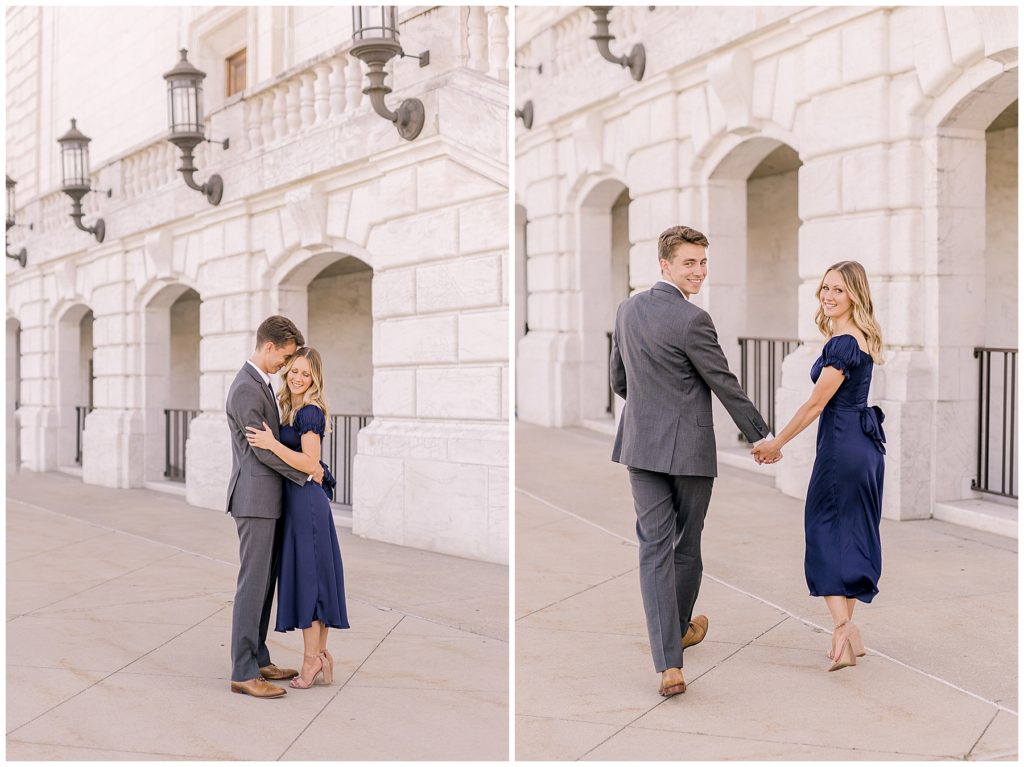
314, 395
856, 280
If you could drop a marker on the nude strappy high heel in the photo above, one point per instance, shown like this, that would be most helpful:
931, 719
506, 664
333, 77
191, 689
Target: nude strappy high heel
299, 683
844, 656
328, 667
855, 642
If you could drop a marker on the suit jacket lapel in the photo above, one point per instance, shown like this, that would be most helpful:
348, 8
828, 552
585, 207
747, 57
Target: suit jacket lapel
267, 392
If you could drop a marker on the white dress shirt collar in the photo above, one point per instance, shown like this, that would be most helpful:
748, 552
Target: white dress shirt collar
674, 286
263, 375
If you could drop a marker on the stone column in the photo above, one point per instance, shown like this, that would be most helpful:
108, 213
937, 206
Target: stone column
431, 469
113, 443
37, 417
547, 359
954, 229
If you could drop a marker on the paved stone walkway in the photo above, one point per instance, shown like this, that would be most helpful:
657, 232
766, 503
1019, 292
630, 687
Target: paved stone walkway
939, 680
118, 624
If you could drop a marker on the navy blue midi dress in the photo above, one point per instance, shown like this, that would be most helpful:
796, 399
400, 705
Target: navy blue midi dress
310, 581
844, 498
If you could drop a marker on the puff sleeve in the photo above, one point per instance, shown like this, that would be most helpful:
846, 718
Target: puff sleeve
841, 353
310, 418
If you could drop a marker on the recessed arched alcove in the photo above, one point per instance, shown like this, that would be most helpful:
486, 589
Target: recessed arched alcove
330, 297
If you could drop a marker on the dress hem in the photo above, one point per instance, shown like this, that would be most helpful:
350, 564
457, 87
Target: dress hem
864, 596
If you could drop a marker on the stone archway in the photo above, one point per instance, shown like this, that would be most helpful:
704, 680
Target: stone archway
74, 373
330, 297
13, 393
752, 224
171, 379
971, 268
602, 253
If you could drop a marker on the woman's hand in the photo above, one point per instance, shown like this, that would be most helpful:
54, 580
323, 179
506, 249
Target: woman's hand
262, 438
767, 452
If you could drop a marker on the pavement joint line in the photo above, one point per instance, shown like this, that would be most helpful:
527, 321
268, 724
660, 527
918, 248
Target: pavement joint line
806, 622
665, 700
383, 608
793, 743
106, 748
112, 673
738, 737
993, 757
57, 548
987, 726
90, 588
341, 687
582, 591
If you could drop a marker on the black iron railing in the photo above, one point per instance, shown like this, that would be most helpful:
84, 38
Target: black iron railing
761, 371
997, 447
611, 394
81, 412
339, 452
175, 435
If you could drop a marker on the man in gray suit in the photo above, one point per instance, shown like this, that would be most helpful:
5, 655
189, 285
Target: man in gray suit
665, 362
254, 500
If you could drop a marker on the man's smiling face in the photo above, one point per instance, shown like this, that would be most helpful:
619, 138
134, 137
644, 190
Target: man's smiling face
688, 267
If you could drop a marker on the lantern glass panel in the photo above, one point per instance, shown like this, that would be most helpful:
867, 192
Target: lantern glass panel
374, 22
185, 106
10, 202
75, 163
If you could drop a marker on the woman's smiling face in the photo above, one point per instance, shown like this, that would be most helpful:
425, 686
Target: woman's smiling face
300, 377
835, 300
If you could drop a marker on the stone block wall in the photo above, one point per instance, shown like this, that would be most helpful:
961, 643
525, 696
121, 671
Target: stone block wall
886, 109
315, 183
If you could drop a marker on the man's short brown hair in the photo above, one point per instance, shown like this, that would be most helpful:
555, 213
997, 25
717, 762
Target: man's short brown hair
677, 235
280, 330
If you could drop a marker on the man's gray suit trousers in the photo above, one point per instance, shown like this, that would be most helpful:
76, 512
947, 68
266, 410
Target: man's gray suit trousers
257, 571
670, 514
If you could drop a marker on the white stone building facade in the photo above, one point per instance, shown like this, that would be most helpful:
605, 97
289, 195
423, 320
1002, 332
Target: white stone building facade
390, 255
794, 138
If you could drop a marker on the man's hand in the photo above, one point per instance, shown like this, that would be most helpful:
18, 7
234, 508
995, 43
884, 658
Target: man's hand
767, 452
318, 475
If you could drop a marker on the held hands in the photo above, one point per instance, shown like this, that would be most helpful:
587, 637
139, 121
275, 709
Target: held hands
262, 438
767, 452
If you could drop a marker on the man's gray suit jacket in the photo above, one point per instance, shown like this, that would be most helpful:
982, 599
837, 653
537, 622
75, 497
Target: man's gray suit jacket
665, 362
255, 488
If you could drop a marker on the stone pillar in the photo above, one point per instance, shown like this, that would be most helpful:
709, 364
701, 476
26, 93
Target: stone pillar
13, 385
228, 318
37, 417
954, 226
431, 469
547, 357
724, 294
113, 453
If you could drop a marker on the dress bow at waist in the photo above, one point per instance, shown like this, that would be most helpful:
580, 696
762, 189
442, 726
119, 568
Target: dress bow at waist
328, 483
871, 418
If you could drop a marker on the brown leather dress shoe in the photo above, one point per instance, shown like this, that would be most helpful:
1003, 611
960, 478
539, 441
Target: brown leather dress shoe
273, 672
696, 631
672, 682
258, 688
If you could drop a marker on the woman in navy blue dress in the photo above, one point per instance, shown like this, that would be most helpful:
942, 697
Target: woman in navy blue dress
843, 556
310, 582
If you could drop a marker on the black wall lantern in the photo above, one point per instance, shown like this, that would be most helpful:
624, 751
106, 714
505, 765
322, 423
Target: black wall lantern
74, 157
637, 58
375, 42
526, 115
185, 115
21, 256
